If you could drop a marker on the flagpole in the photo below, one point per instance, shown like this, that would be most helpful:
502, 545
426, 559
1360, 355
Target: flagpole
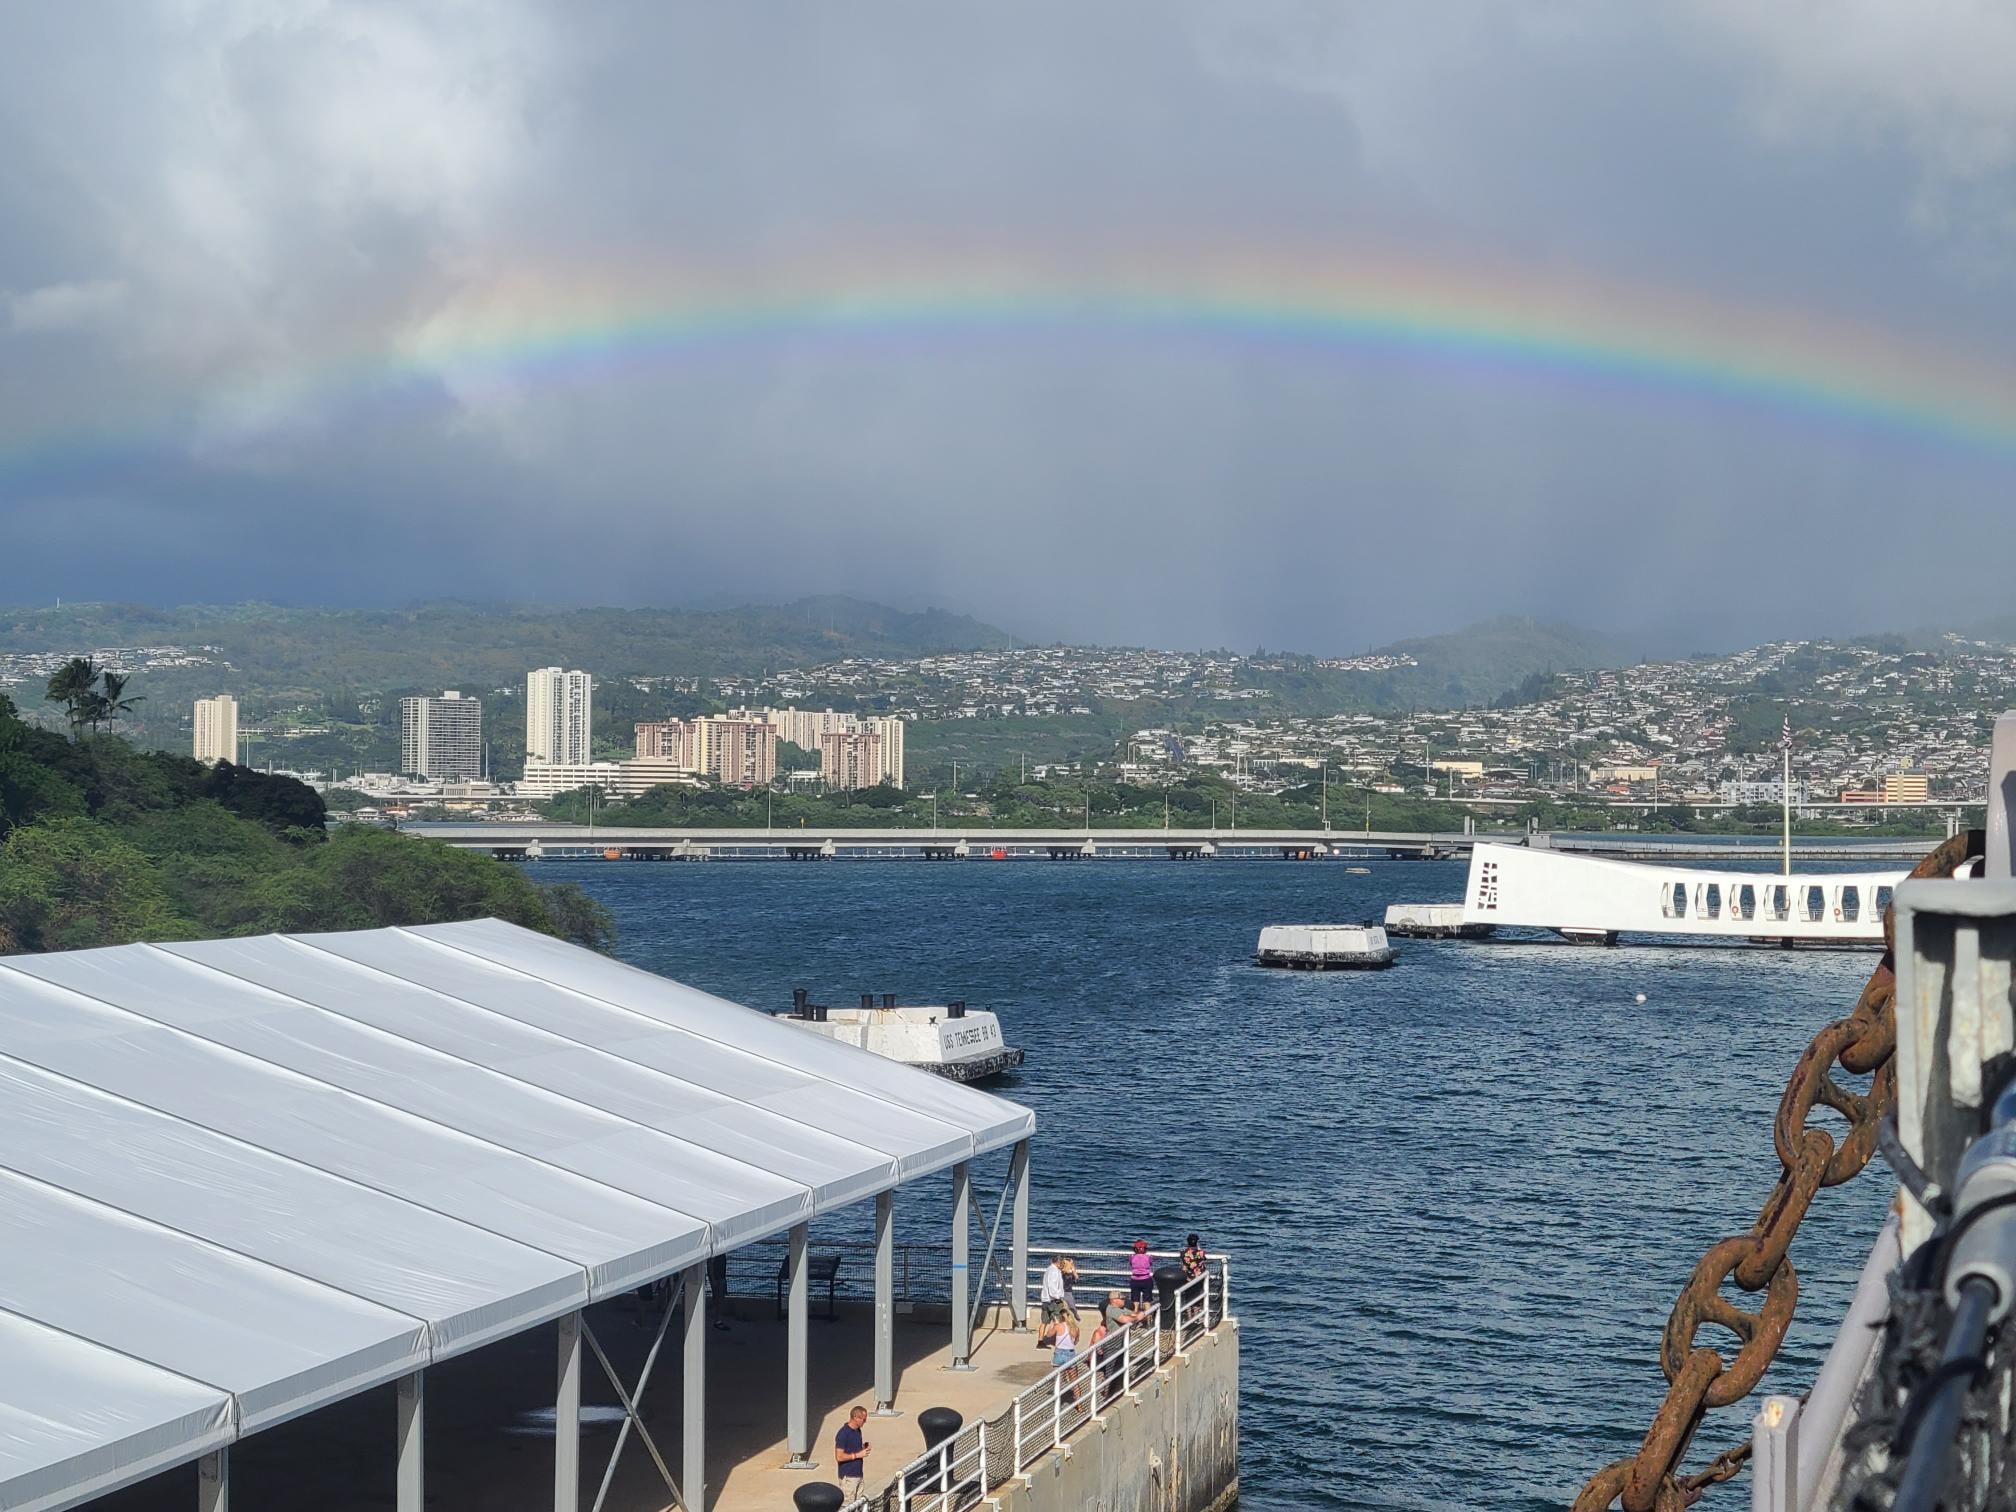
1785, 793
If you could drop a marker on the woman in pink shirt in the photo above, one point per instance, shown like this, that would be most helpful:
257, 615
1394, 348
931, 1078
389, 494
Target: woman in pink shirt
1141, 1274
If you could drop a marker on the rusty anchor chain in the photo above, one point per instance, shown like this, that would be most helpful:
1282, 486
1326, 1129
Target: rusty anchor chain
1697, 1375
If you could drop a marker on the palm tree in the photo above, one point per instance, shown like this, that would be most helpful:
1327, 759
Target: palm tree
72, 686
112, 703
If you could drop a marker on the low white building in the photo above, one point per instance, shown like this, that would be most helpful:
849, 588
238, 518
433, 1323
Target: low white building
617, 779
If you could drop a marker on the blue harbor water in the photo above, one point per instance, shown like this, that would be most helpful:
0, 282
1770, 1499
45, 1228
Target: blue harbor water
1460, 1194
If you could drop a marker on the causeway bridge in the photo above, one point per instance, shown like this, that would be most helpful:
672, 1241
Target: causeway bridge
535, 841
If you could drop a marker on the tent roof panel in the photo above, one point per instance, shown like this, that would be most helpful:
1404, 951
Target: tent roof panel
918, 1139
279, 1343
401, 1074
992, 1122
611, 1235
467, 1284
95, 1420
243, 1178
719, 1144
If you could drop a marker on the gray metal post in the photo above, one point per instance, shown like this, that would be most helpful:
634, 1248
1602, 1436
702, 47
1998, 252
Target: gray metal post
567, 1419
693, 1393
412, 1440
962, 1243
1774, 1456
1018, 1261
798, 1431
213, 1482
885, 1304
2001, 861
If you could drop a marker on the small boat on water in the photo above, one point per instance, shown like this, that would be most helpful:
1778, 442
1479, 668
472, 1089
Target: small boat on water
1325, 947
946, 1039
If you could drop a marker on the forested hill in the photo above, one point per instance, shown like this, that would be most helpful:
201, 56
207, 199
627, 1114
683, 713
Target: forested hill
101, 844
1484, 661
453, 644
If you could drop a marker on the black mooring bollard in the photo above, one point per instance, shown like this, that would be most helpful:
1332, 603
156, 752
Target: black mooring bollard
819, 1496
1167, 1279
937, 1424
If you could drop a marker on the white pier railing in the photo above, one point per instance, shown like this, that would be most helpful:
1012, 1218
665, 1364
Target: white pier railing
984, 1454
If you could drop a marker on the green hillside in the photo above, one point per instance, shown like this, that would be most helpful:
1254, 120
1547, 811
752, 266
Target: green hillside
273, 648
1479, 663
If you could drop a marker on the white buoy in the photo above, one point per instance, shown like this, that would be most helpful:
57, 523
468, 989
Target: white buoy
1641, 997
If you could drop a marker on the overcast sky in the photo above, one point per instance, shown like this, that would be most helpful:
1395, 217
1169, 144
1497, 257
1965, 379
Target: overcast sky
219, 217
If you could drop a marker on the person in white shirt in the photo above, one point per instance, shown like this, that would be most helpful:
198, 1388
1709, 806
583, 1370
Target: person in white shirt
1056, 1299
1064, 1346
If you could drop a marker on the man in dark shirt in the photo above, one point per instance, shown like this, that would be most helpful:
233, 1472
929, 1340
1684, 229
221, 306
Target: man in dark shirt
850, 1450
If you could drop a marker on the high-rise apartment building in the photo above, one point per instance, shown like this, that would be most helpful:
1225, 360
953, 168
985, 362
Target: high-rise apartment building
864, 757
850, 760
676, 741
1906, 787
804, 727
557, 717
739, 752
810, 729
441, 738
217, 728
889, 767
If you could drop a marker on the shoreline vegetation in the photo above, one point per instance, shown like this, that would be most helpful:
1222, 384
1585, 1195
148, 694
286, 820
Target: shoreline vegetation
102, 844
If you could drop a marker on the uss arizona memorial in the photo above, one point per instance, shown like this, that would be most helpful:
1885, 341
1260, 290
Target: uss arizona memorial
1590, 898
1594, 899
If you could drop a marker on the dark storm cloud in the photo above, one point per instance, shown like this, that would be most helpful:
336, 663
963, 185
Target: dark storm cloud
205, 203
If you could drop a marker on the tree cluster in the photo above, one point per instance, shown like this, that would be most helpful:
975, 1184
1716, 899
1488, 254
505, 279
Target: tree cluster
91, 695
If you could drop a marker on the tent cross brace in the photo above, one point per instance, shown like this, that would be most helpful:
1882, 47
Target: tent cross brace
631, 1416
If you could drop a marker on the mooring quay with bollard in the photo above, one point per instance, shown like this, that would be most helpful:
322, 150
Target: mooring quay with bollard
1145, 1419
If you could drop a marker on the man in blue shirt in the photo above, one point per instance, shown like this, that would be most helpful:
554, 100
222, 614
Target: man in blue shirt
850, 1451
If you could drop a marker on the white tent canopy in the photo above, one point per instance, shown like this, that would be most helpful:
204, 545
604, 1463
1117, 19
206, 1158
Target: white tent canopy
244, 1178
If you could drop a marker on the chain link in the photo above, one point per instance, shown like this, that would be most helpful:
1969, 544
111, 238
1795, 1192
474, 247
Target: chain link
1697, 1376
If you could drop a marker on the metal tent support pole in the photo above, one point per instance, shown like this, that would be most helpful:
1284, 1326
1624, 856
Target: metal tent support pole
1018, 1261
412, 1439
885, 1304
213, 1482
798, 1432
567, 1419
962, 1244
693, 1393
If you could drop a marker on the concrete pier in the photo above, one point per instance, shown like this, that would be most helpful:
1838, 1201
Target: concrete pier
1172, 1446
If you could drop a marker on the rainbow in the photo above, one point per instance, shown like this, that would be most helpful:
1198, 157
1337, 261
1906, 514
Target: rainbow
606, 323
